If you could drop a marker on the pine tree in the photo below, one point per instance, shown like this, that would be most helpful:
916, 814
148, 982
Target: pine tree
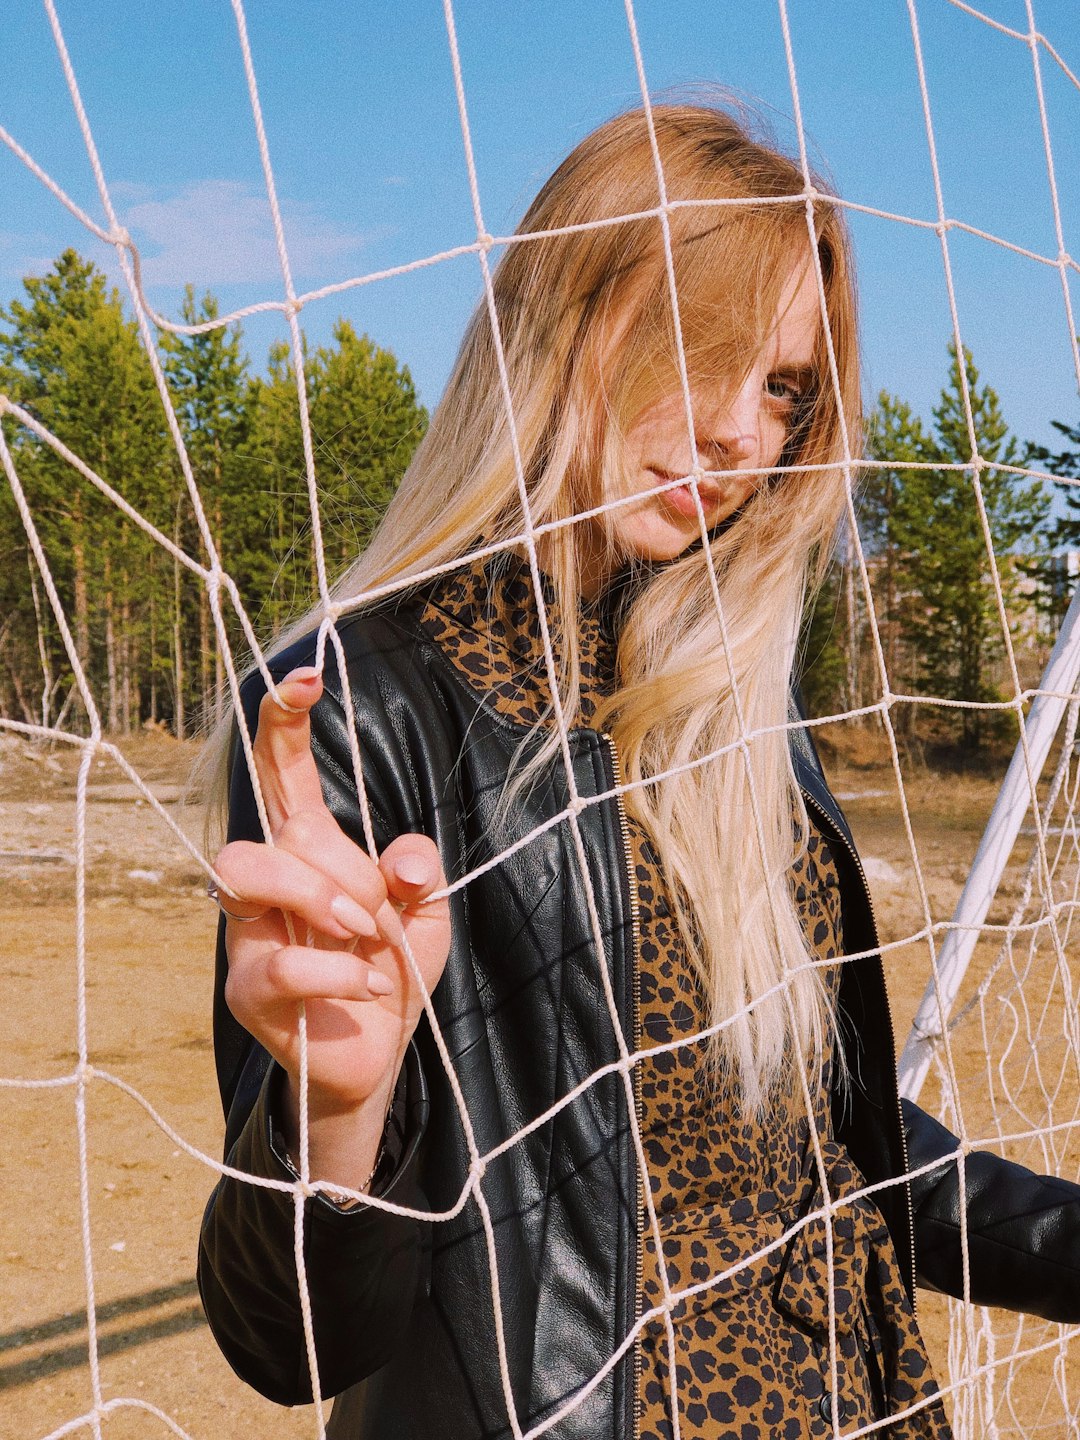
365, 424
142, 626
1065, 533
211, 389
823, 658
70, 356
275, 456
948, 615
896, 435
836, 634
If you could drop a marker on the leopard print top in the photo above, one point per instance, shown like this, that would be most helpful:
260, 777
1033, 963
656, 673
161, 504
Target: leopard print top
748, 1345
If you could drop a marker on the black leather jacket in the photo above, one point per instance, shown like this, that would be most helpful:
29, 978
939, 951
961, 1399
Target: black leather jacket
403, 1309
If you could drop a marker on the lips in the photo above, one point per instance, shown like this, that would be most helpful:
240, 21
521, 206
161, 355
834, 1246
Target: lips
680, 498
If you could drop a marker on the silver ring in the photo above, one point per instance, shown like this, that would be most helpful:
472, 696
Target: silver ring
215, 894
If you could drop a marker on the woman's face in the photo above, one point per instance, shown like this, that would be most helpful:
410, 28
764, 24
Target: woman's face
741, 429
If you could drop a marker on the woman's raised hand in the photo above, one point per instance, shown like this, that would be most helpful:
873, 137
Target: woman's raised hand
361, 1000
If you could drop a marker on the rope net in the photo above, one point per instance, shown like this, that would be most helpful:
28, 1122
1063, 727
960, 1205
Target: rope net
1018, 1024
1004, 1376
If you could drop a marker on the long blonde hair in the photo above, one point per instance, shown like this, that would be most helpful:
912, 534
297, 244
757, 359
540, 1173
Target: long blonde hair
724, 828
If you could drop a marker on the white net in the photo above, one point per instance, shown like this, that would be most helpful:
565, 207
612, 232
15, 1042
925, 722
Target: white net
1021, 1017
1004, 1376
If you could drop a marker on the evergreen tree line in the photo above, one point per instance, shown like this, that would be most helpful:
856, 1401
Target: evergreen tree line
933, 601
142, 624
141, 621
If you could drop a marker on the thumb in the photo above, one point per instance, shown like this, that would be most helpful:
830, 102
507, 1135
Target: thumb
411, 867
300, 688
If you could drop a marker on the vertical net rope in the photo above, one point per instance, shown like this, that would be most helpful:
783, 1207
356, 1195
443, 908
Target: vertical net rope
1024, 1003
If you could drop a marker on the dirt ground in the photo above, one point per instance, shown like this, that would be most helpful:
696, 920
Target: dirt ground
149, 941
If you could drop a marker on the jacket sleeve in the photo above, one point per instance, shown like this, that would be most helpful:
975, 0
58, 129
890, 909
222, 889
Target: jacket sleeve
1023, 1229
363, 1266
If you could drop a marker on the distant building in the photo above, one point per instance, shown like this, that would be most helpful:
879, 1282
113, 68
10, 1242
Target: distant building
1063, 569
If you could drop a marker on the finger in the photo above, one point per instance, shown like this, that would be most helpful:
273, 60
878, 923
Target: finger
299, 972
288, 776
411, 868
265, 877
315, 837
233, 908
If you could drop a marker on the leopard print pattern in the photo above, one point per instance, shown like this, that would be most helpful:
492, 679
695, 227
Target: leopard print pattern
484, 619
751, 1349
749, 1341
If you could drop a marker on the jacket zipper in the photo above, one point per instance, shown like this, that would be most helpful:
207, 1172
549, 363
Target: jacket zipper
835, 829
628, 858
635, 917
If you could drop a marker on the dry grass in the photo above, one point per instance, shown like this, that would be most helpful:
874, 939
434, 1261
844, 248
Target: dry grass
149, 978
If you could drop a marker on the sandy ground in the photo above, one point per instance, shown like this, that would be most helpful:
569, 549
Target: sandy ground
149, 939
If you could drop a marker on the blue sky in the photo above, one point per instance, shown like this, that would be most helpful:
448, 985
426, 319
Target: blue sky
367, 152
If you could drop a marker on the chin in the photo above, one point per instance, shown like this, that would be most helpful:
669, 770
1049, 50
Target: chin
691, 544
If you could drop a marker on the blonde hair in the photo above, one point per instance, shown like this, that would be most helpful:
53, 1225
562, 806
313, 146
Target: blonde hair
589, 338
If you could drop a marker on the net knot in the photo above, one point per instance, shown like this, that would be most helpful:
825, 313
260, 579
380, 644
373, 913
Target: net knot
119, 235
926, 1035
477, 1171
292, 307
485, 240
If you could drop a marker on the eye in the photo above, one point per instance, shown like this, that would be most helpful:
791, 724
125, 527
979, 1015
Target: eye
777, 387
789, 396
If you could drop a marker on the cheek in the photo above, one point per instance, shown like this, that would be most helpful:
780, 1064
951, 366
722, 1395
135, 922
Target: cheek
774, 436
649, 533
747, 488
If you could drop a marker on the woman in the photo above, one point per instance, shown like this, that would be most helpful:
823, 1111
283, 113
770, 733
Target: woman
665, 879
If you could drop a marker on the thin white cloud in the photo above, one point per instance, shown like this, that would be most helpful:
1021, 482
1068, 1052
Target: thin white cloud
23, 255
128, 191
219, 232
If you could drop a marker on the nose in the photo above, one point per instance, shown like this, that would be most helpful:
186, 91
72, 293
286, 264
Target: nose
734, 435
726, 447
737, 447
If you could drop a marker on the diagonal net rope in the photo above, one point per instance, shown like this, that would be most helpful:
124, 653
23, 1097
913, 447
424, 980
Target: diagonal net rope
1024, 1003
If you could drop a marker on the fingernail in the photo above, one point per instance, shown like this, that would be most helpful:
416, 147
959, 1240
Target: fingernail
302, 672
354, 917
386, 918
413, 870
378, 983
